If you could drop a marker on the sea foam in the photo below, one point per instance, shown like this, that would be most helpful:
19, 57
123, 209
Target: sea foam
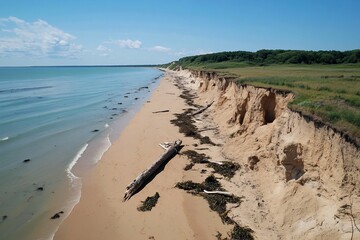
74, 161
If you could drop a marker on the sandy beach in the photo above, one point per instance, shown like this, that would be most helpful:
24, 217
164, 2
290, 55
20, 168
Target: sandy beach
101, 212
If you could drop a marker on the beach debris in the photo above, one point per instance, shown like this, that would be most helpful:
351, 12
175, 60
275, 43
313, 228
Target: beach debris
26, 160
187, 126
217, 199
218, 192
57, 215
165, 145
149, 203
217, 202
243, 233
209, 161
194, 156
162, 111
142, 179
226, 169
202, 109
189, 166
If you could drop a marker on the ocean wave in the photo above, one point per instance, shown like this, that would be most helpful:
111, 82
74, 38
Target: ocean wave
4, 139
105, 145
74, 161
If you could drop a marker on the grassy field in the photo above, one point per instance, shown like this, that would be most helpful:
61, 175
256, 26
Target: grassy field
329, 92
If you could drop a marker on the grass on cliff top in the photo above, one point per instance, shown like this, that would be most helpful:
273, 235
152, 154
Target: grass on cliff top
329, 92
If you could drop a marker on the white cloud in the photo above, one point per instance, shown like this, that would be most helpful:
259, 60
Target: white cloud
103, 50
160, 49
38, 38
127, 43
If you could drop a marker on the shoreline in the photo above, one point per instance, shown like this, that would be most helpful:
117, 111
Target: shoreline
178, 215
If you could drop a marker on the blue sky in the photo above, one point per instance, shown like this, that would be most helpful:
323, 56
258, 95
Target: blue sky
150, 32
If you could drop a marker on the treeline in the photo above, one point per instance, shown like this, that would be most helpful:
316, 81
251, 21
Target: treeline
276, 57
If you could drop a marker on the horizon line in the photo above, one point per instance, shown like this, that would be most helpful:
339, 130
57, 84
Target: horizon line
88, 65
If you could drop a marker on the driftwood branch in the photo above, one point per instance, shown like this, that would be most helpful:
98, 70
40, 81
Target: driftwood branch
218, 192
202, 109
162, 111
209, 161
141, 179
165, 145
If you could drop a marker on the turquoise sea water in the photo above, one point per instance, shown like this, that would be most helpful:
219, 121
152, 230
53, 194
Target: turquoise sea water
57, 117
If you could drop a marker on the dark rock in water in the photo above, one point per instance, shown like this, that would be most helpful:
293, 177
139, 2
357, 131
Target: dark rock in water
136, 98
124, 110
126, 96
40, 189
4, 217
57, 215
148, 101
119, 103
95, 130
114, 109
105, 107
114, 114
27, 160
128, 93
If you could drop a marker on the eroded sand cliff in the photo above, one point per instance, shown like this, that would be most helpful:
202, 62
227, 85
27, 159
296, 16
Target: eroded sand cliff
299, 179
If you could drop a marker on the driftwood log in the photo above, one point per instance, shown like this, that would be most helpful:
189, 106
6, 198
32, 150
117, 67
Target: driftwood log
141, 179
202, 109
162, 111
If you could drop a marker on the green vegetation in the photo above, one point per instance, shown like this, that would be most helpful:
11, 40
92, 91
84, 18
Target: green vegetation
265, 57
326, 90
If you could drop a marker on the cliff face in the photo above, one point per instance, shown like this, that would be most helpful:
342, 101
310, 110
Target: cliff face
301, 180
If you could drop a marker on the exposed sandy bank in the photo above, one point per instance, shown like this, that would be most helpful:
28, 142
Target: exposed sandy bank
299, 179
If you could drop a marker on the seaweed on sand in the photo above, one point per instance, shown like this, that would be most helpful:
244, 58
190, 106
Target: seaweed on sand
227, 169
185, 121
149, 203
217, 203
187, 126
